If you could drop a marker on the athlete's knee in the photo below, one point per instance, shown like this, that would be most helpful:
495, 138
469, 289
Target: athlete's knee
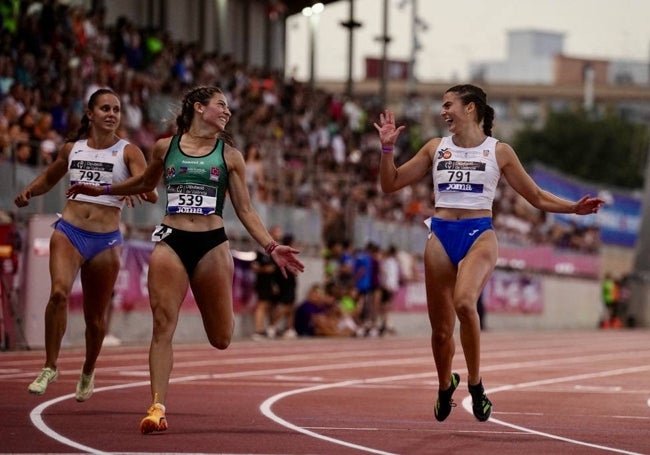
221, 339
59, 297
465, 310
95, 324
442, 335
164, 323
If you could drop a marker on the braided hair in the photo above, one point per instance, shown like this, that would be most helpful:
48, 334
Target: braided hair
472, 94
85, 120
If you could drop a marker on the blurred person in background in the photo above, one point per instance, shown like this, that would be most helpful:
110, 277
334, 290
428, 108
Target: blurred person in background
200, 167
87, 236
255, 177
389, 283
282, 308
611, 292
461, 251
267, 290
363, 272
304, 323
320, 315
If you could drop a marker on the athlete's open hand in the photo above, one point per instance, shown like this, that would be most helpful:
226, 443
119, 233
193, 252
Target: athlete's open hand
286, 260
387, 130
588, 205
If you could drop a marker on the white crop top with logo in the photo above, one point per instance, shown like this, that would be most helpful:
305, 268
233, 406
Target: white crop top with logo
465, 178
98, 167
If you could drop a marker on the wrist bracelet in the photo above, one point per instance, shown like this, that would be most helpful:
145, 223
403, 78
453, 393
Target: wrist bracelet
108, 189
387, 149
270, 247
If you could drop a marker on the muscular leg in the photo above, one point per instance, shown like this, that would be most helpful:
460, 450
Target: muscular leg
65, 262
473, 273
212, 289
168, 284
98, 277
440, 276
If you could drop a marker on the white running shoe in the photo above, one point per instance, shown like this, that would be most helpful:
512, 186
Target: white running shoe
85, 387
289, 334
39, 386
111, 341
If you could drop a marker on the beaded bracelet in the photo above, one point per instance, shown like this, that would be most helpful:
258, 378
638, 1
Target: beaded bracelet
386, 149
108, 189
270, 247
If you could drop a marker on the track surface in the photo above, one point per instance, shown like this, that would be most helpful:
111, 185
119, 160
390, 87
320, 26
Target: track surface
553, 393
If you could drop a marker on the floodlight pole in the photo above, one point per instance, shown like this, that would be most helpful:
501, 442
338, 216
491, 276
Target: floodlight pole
351, 25
385, 39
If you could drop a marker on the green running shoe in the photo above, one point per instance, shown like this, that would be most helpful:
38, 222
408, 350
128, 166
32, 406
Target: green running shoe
481, 405
444, 403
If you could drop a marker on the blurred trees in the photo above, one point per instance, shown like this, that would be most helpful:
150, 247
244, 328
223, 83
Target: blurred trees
605, 149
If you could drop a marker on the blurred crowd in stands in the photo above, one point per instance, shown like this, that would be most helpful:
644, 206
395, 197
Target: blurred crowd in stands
303, 147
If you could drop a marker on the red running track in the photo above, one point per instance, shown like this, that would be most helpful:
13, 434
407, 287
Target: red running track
553, 393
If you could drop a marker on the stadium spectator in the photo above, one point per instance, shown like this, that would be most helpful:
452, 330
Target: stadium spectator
267, 290
319, 315
389, 283
282, 308
255, 179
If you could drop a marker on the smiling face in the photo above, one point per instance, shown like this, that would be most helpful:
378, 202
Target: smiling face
454, 113
216, 112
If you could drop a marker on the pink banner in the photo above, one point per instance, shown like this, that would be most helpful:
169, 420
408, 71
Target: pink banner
549, 259
512, 292
505, 292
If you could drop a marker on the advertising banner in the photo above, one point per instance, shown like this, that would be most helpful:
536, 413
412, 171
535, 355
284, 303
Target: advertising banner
619, 220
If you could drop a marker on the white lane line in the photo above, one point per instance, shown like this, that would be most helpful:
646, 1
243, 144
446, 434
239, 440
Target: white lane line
265, 408
467, 404
36, 413
36, 417
37, 420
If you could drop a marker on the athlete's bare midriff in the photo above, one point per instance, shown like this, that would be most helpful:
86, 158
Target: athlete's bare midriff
193, 222
92, 217
448, 213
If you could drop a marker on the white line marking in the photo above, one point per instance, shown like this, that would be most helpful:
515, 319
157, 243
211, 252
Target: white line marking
467, 405
37, 420
594, 388
265, 407
36, 413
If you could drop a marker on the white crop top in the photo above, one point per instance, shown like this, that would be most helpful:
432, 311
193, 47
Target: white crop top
465, 178
98, 167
